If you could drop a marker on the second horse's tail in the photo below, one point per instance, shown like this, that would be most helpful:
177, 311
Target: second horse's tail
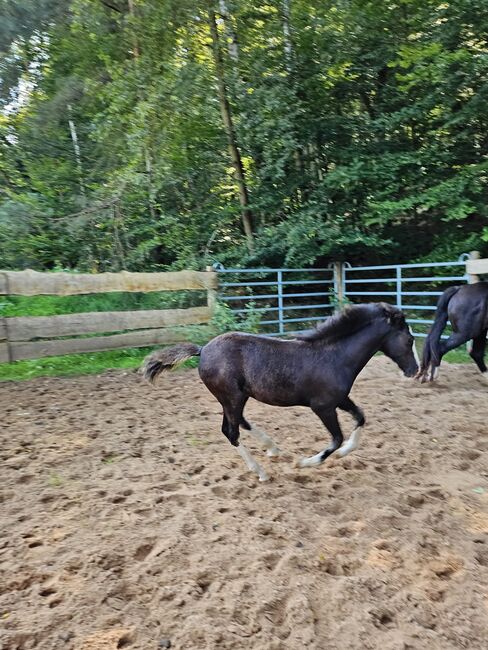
167, 359
432, 355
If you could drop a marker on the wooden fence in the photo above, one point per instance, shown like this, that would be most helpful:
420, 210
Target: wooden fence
39, 336
476, 267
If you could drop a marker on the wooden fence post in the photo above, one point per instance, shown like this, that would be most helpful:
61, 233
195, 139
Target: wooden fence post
339, 283
211, 293
472, 279
4, 344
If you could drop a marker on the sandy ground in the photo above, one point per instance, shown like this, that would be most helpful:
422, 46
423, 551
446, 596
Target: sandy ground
128, 521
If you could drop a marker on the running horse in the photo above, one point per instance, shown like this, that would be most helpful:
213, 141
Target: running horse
316, 369
466, 307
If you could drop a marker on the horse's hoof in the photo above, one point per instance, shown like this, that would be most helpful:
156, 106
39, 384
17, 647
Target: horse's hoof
263, 477
312, 461
274, 452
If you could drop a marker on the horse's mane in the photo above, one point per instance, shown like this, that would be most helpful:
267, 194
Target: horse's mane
348, 321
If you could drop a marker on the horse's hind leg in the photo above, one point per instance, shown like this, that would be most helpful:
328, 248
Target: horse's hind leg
329, 419
230, 428
455, 340
353, 441
477, 352
262, 436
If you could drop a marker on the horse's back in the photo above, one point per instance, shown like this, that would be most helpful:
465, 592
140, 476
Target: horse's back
223, 355
468, 308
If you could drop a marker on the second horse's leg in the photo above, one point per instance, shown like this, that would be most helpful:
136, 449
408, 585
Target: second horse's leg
477, 352
262, 436
353, 441
329, 418
455, 340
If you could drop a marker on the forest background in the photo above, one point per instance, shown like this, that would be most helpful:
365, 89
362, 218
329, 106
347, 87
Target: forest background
156, 134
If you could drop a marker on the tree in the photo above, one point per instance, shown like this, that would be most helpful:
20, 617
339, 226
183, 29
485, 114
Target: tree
290, 132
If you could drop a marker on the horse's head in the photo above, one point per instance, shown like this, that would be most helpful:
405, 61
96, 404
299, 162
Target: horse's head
399, 343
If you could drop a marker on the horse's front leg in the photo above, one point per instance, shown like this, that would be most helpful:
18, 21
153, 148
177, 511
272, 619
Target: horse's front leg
328, 416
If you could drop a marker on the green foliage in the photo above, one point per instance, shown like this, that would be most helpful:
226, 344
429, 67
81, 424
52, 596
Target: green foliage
362, 128
224, 320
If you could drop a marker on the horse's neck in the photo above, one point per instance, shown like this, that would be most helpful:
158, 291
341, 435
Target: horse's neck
358, 349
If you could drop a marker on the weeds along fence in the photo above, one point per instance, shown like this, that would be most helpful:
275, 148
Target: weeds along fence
33, 337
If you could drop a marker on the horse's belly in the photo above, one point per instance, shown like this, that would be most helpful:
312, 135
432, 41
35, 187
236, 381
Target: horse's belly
277, 397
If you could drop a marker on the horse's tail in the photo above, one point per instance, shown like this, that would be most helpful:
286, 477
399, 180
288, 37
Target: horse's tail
432, 353
167, 359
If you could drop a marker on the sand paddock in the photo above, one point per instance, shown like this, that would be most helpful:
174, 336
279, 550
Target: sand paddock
128, 521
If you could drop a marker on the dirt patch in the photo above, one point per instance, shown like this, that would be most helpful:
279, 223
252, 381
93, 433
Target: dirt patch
127, 520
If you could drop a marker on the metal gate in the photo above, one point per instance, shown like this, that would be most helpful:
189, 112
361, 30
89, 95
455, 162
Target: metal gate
414, 288
290, 300
287, 300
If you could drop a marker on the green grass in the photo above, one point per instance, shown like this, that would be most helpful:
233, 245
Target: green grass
79, 364
117, 301
458, 356
96, 362
55, 480
72, 364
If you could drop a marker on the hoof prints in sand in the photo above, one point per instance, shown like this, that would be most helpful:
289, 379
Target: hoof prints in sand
128, 521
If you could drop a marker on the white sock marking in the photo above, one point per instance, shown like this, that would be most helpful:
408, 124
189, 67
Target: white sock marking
436, 372
312, 461
351, 444
269, 445
485, 375
251, 463
414, 349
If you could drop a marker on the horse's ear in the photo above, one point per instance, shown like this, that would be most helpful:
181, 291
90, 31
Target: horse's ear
392, 314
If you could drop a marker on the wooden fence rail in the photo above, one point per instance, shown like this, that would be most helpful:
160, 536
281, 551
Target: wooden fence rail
20, 336
34, 283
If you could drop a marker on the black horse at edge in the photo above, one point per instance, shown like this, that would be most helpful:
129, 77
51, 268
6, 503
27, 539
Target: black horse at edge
466, 307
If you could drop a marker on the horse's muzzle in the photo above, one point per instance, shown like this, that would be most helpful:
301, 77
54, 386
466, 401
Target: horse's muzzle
411, 372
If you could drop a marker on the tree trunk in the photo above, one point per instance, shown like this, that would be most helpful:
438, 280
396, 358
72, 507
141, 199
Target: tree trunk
140, 93
287, 35
76, 148
300, 154
230, 131
232, 46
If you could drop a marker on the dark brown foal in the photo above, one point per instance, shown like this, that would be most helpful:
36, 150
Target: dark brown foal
316, 370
